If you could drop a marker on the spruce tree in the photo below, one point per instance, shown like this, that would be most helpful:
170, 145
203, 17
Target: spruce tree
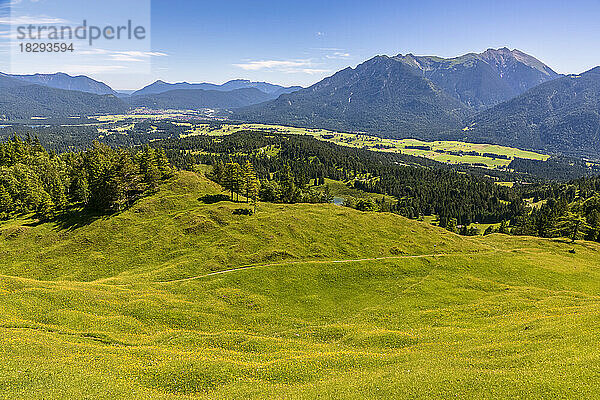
6, 202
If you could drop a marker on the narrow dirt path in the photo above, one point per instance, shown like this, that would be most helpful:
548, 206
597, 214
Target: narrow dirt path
283, 264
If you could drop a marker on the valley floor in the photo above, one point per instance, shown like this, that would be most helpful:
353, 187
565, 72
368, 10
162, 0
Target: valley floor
179, 299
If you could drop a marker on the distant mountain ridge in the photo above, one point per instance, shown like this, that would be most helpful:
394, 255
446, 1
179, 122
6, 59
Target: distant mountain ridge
381, 96
86, 84
64, 81
404, 96
193, 99
59, 87
20, 99
269, 88
483, 80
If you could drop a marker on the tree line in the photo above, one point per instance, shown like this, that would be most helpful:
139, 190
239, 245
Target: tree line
100, 179
569, 210
282, 186
420, 186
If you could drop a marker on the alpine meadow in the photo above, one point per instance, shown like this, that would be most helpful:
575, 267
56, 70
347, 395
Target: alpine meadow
259, 203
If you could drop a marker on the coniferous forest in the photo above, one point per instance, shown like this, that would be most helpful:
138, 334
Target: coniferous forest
458, 197
100, 179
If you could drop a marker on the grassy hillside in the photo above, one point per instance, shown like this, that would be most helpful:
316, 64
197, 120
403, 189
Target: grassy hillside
328, 303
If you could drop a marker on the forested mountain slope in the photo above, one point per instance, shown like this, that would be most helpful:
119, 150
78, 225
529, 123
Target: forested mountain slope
380, 96
59, 80
562, 116
193, 99
20, 99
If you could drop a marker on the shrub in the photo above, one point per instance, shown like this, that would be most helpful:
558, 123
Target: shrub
242, 211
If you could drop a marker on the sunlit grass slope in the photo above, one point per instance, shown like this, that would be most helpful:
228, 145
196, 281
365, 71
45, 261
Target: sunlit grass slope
333, 306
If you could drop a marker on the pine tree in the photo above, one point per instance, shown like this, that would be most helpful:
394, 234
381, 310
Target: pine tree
452, 225
504, 228
149, 167
46, 209
287, 185
251, 184
218, 173
233, 178
571, 225
593, 220
6, 202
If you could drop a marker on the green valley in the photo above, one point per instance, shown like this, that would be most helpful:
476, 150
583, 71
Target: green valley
451, 152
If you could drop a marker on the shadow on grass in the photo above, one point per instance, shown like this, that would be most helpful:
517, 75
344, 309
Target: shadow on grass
218, 198
214, 198
78, 218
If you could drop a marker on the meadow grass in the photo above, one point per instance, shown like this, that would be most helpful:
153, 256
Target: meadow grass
336, 304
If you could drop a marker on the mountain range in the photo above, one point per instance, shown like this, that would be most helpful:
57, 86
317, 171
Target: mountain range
380, 95
21, 99
407, 95
191, 96
483, 80
59, 95
269, 88
63, 81
562, 116
193, 99
499, 96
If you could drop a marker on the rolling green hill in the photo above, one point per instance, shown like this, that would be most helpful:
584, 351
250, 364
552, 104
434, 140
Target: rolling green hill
175, 298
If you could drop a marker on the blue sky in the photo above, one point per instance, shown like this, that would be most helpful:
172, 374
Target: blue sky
300, 42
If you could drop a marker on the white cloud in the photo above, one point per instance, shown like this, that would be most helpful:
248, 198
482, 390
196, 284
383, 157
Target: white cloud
273, 64
71, 69
32, 20
126, 56
285, 66
142, 53
313, 71
337, 55
328, 49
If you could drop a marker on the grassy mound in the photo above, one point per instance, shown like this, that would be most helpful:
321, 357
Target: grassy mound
177, 298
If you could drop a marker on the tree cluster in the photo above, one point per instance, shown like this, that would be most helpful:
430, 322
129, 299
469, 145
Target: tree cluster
100, 179
282, 186
421, 186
